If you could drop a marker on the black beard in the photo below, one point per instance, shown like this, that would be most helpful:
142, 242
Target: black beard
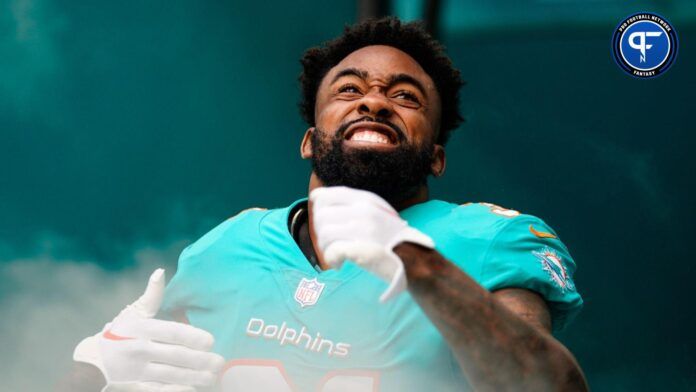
394, 175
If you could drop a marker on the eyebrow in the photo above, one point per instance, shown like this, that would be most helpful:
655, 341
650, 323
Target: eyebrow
351, 72
394, 79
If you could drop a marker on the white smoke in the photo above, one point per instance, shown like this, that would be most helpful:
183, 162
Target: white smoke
48, 305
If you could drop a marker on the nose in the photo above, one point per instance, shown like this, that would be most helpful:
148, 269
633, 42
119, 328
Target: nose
376, 105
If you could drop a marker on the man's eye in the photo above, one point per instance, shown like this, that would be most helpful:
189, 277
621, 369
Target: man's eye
406, 95
349, 88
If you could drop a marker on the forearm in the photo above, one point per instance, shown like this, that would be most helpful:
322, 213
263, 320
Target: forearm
495, 348
82, 378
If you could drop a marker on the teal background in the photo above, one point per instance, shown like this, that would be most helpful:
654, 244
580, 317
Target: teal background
132, 123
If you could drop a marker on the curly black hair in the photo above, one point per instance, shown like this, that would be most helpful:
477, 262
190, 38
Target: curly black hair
412, 38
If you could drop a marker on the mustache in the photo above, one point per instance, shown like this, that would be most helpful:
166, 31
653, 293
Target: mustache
401, 136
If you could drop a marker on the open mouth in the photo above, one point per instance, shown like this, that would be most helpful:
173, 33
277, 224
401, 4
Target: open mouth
368, 132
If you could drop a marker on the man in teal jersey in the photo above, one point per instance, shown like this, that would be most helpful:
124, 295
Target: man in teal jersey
434, 296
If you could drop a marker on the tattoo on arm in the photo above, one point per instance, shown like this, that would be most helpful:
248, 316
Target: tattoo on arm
527, 305
501, 340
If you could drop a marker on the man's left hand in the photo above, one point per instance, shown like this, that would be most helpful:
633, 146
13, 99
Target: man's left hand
359, 226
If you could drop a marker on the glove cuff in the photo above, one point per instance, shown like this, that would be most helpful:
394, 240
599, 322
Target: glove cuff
398, 282
87, 351
409, 234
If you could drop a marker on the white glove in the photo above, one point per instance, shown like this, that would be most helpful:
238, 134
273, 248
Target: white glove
362, 227
138, 353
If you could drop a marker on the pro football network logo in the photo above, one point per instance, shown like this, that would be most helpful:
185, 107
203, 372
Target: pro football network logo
645, 45
308, 292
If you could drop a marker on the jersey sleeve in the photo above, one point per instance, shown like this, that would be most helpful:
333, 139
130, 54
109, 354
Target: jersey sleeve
526, 253
201, 263
182, 291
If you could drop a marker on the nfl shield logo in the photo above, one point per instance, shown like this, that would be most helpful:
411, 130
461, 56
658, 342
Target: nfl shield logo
308, 292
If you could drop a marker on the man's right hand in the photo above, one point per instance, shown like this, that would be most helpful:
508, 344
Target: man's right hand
138, 353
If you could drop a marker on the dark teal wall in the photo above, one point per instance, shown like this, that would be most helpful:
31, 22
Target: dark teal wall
557, 130
133, 123
114, 115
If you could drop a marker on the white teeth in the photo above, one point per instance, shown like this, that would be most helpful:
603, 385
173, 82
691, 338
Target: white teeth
369, 136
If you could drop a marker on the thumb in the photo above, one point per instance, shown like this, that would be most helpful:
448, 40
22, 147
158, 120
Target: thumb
149, 303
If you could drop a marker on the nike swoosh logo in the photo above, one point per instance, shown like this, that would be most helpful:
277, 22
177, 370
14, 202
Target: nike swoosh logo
112, 336
540, 234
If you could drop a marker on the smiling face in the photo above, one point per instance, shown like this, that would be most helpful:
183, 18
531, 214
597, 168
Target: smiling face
377, 118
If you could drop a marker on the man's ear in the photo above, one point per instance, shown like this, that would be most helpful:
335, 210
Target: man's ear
306, 146
437, 166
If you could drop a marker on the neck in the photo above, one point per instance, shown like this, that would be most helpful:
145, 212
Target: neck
314, 182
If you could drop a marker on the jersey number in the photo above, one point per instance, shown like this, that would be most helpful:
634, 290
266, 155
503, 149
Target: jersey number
268, 375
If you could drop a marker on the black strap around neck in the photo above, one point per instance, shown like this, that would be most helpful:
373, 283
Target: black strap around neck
299, 229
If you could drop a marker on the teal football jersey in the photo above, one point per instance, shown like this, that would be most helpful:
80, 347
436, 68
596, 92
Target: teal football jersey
284, 326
